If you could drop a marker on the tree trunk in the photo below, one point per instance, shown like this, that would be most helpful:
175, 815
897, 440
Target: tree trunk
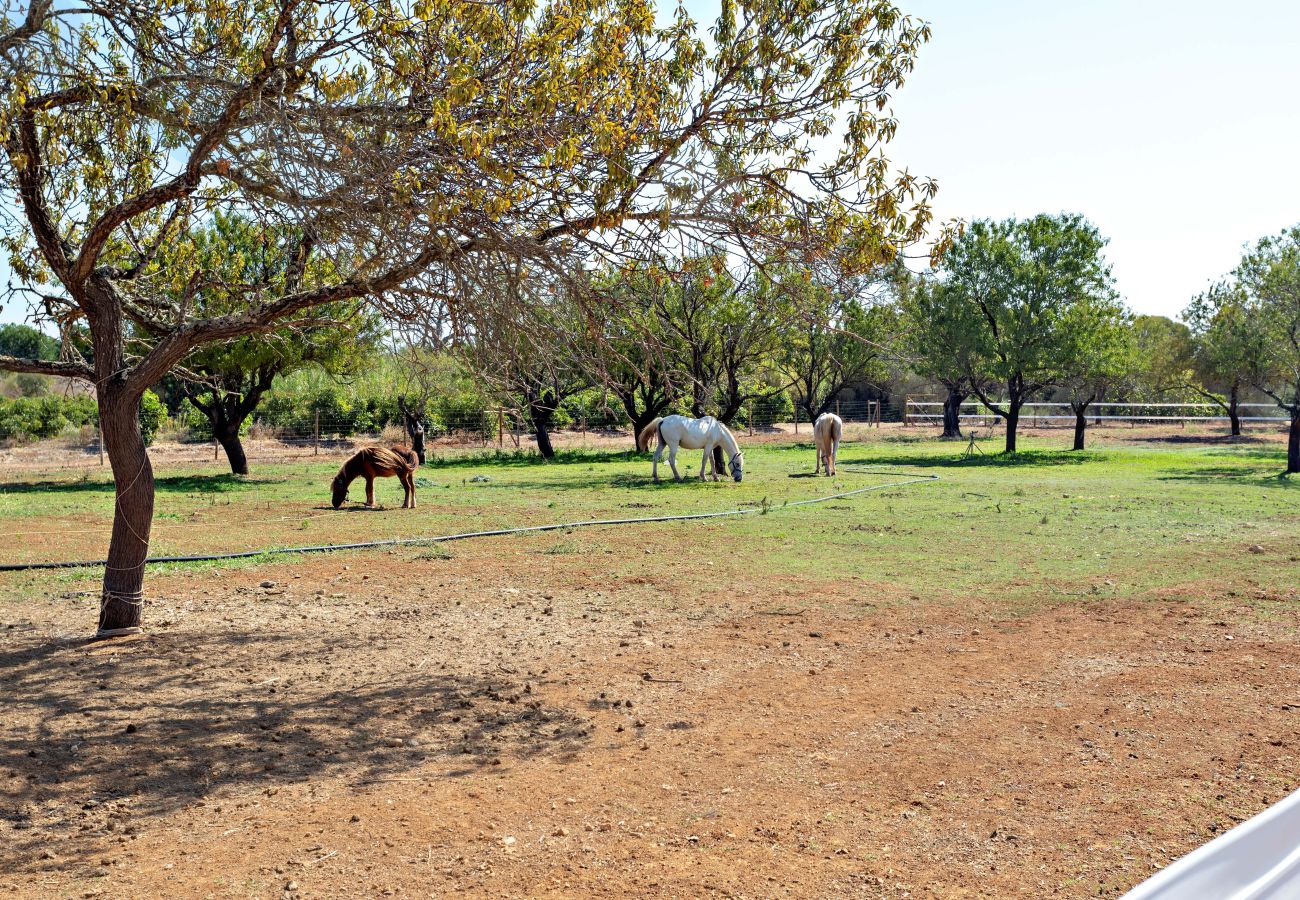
123, 598
1293, 443
1013, 420
952, 413
1234, 415
1080, 425
541, 429
228, 437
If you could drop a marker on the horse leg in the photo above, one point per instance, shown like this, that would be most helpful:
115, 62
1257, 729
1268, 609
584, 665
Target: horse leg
654, 468
408, 491
818, 467
835, 452
370, 490
707, 458
672, 463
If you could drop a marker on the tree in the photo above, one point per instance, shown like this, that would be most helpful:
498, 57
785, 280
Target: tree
1166, 358
407, 143
840, 339
524, 346
1020, 281
1098, 354
633, 358
1269, 277
939, 333
27, 342
1225, 342
226, 381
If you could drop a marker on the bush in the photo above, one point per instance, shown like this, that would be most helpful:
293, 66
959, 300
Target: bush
35, 418
152, 416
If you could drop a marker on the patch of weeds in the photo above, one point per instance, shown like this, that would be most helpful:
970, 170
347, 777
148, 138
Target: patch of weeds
437, 551
425, 482
562, 548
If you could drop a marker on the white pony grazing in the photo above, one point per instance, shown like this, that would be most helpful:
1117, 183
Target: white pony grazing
826, 433
692, 434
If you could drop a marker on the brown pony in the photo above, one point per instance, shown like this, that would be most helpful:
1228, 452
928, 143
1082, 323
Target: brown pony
377, 462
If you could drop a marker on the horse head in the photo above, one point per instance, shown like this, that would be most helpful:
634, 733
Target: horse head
339, 490
737, 465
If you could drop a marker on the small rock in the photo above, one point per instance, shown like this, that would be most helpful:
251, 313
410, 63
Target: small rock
131, 729
291, 886
267, 584
1255, 548
560, 832
355, 818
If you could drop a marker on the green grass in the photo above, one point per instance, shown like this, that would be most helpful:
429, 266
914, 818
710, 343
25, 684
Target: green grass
1042, 524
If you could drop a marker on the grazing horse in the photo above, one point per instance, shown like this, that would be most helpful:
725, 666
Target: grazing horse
826, 434
692, 434
377, 462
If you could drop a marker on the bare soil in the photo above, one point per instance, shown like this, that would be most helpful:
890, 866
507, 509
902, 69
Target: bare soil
391, 725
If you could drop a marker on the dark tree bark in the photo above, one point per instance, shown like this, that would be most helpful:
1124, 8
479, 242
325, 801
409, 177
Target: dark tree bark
642, 404
228, 406
1012, 419
1293, 443
542, 431
952, 411
1234, 414
229, 440
1080, 421
541, 409
1010, 411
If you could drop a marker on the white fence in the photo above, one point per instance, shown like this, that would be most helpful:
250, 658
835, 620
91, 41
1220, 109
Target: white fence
926, 412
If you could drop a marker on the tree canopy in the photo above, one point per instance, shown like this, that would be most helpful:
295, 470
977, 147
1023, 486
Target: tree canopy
421, 148
1021, 284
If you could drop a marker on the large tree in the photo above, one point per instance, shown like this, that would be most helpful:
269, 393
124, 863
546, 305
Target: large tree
227, 381
1097, 356
938, 334
1020, 280
1225, 343
633, 357
1269, 277
405, 143
844, 334
1165, 360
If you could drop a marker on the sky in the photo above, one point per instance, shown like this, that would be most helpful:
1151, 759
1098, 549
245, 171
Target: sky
1173, 126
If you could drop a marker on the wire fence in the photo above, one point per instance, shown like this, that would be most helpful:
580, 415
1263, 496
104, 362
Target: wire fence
315, 434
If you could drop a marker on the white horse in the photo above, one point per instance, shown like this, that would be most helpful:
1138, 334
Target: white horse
692, 434
826, 434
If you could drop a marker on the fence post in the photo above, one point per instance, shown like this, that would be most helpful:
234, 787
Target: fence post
315, 435
796, 418
501, 428
907, 409
751, 418
584, 430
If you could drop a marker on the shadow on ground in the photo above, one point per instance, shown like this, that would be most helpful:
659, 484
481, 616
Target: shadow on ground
1024, 458
175, 484
99, 737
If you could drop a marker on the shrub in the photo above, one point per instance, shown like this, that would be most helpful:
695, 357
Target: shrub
152, 416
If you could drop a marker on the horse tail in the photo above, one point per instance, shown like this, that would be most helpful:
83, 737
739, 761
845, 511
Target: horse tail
652, 429
410, 457
837, 428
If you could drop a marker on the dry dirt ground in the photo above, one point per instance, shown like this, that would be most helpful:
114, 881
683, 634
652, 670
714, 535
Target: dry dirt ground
391, 725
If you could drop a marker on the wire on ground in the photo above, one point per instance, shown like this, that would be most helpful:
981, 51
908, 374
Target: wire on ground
499, 532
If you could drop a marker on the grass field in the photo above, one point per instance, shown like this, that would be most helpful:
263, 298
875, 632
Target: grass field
1039, 675
1054, 520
